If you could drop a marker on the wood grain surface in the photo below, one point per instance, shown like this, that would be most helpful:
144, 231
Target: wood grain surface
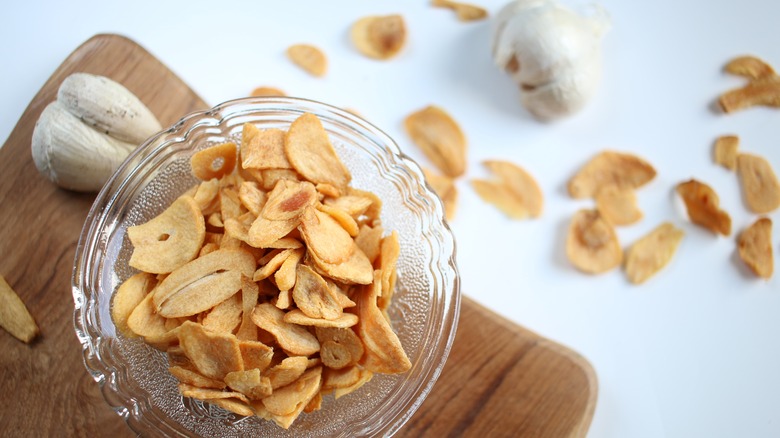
500, 379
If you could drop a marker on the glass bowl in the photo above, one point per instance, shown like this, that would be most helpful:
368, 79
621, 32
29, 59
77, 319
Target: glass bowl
133, 376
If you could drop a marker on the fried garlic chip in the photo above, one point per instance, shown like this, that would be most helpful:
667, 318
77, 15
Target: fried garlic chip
213, 354
763, 87
325, 237
346, 339
618, 206
293, 338
313, 296
591, 244
356, 269
750, 67
465, 12
383, 350
250, 383
169, 240
287, 371
309, 58
215, 161
702, 205
726, 150
760, 186
516, 192
652, 252
193, 378
755, 248
379, 37
267, 91
263, 149
608, 168
127, 297
310, 152
202, 283
14, 316
286, 403
440, 138
444, 187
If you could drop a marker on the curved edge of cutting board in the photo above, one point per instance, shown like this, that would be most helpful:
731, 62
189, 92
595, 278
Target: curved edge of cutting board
504, 380
500, 379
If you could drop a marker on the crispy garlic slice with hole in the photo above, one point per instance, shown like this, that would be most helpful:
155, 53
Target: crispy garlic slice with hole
609, 168
215, 161
755, 247
591, 244
346, 339
379, 37
311, 154
703, 207
652, 252
169, 240
383, 350
202, 283
726, 151
760, 186
308, 57
292, 338
213, 354
263, 148
440, 138
618, 206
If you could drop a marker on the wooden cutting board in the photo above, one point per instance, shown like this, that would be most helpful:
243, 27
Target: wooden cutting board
500, 379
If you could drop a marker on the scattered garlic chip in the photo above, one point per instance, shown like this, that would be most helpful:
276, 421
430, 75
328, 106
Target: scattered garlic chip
501, 197
755, 247
445, 188
760, 186
763, 87
464, 11
379, 37
309, 58
749, 67
726, 150
170, 240
702, 205
618, 206
267, 91
520, 183
14, 316
591, 244
652, 252
608, 168
440, 138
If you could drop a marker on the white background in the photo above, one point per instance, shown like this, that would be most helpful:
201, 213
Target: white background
694, 352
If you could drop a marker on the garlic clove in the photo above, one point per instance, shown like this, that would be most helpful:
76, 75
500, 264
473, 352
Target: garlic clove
551, 52
108, 107
73, 155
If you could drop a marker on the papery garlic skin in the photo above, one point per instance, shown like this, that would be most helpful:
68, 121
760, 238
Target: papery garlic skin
108, 107
73, 155
552, 53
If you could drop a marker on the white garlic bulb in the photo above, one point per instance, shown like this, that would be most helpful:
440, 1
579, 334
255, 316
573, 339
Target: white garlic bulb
73, 155
552, 53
